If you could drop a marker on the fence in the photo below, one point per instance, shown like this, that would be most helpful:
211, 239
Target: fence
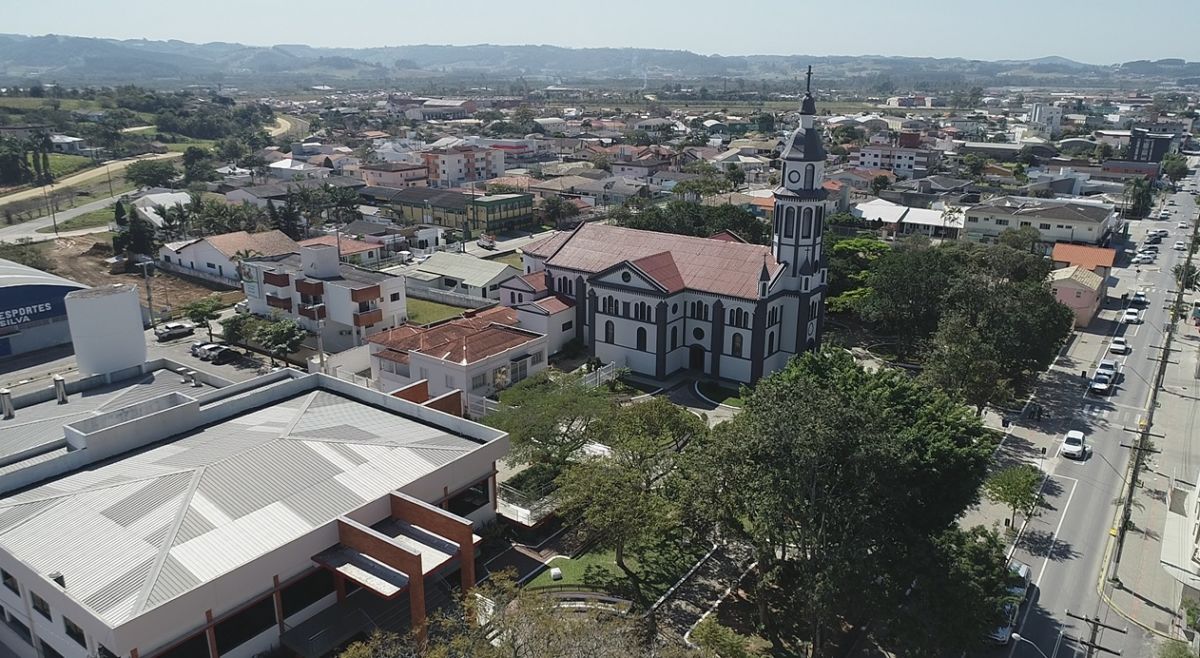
446, 297
601, 375
175, 268
479, 406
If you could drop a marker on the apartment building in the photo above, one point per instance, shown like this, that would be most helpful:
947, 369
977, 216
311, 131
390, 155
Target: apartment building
487, 213
394, 174
1057, 220
343, 303
905, 162
456, 166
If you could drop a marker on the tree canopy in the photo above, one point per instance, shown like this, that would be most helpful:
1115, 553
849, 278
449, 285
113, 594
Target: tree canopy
687, 218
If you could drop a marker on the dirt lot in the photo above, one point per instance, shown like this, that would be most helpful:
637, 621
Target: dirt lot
81, 259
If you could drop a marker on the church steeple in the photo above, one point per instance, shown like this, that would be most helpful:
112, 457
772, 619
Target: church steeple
808, 106
804, 145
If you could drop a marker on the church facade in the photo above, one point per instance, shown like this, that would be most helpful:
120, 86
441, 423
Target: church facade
659, 303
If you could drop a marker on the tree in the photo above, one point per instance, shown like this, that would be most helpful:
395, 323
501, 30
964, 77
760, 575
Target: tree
555, 209
238, 328
1018, 487
958, 595
549, 420
974, 164
965, 364
202, 312
1138, 196
150, 173
720, 640
141, 238
119, 214
840, 479
1186, 275
907, 286
846, 134
1103, 151
879, 184
734, 175
279, 338
1175, 649
197, 165
765, 122
1174, 167
1025, 238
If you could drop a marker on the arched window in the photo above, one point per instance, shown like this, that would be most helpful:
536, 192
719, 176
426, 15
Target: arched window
820, 220
737, 345
608, 332
641, 338
810, 173
777, 220
674, 337
789, 223
806, 227
771, 343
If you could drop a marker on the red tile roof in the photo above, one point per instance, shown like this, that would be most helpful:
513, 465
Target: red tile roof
702, 264
350, 246
661, 267
465, 340
554, 304
535, 280
1087, 257
267, 243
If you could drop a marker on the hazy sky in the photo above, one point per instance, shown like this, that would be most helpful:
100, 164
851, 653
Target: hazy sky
1095, 31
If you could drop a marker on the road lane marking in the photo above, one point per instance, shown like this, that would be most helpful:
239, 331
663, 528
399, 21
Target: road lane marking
1049, 550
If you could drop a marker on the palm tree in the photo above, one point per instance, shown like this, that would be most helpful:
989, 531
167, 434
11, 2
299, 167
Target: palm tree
1138, 197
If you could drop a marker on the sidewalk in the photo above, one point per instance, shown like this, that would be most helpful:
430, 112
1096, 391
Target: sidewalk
1160, 532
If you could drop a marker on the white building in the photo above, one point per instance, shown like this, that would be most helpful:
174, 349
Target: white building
1057, 220
903, 161
343, 303
658, 303
1047, 118
540, 310
480, 354
297, 510
461, 273
217, 256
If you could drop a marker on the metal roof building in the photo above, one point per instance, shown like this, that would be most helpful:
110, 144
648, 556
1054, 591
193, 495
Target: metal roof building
32, 313
203, 523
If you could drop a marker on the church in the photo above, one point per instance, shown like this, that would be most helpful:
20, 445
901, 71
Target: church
657, 303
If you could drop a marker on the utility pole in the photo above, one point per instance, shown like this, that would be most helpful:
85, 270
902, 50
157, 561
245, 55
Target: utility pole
50, 205
108, 172
1095, 625
146, 267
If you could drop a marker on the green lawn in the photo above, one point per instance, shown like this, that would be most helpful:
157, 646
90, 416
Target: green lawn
180, 147
720, 394
421, 311
658, 566
512, 258
102, 217
62, 164
24, 103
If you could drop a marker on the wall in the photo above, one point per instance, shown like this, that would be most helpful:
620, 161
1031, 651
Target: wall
198, 255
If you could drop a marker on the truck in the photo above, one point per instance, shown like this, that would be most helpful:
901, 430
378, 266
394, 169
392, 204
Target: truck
487, 241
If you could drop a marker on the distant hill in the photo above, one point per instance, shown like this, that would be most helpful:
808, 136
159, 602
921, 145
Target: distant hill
81, 60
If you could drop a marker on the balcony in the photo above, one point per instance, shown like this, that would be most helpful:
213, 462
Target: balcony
307, 287
374, 316
365, 294
277, 279
284, 303
312, 311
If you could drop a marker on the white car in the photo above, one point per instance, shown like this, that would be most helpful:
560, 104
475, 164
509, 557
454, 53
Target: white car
1119, 346
1131, 316
1183, 225
1108, 367
1179, 245
1139, 298
1142, 259
1101, 384
1073, 445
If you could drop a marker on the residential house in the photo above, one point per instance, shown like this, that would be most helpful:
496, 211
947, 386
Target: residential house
259, 195
462, 274
901, 221
217, 256
859, 179
639, 169
1079, 289
355, 252
150, 206
1093, 259
540, 310
342, 303
1057, 220
394, 174
480, 353
755, 167
68, 144
296, 169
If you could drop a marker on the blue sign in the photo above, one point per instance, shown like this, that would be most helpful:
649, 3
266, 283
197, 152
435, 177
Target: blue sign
21, 305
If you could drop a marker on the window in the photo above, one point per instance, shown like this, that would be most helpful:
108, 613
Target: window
737, 345
641, 339
789, 223
626, 277
10, 582
1024, 224
479, 381
18, 627
40, 605
1078, 294
674, 337
245, 625
609, 332
674, 309
771, 343
211, 266
470, 499
972, 220
809, 175
395, 297
537, 358
49, 651
74, 632
1001, 222
625, 309
698, 333
449, 283
306, 591
449, 381
806, 227
567, 326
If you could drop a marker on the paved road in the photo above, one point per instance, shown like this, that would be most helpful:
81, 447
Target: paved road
1067, 544
30, 228
95, 172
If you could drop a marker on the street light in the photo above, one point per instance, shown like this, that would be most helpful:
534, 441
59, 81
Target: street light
1018, 638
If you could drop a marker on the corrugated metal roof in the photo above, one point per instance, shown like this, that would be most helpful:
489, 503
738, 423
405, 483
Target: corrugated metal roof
16, 274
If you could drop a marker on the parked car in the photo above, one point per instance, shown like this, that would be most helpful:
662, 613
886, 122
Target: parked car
1161, 232
1108, 367
223, 355
1131, 316
172, 330
1183, 225
1139, 297
1142, 259
1119, 346
207, 352
1022, 580
1073, 445
242, 307
1179, 245
1003, 635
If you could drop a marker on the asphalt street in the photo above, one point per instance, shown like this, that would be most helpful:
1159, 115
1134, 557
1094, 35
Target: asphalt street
1067, 543
29, 229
